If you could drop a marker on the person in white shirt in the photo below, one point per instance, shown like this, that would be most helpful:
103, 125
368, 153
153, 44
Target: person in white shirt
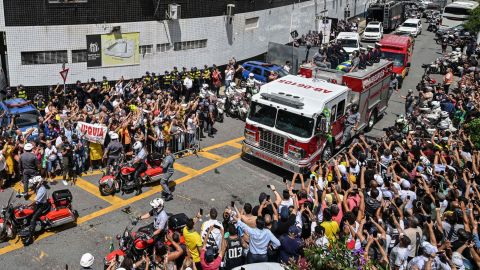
399, 254
215, 237
188, 83
229, 72
287, 66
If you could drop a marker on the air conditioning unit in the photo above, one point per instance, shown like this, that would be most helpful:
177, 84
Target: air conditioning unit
174, 12
230, 10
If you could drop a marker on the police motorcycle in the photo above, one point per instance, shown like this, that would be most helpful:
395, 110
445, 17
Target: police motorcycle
237, 104
15, 219
135, 244
120, 177
219, 102
252, 86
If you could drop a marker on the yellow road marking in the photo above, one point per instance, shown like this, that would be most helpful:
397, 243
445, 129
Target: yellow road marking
183, 169
211, 156
93, 189
206, 149
236, 145
122, 203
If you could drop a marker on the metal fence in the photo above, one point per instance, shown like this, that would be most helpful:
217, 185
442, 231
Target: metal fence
180, 143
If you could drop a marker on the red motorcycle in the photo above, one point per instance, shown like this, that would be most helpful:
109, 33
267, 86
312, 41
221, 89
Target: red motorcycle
15, 220
135, 244
120, 177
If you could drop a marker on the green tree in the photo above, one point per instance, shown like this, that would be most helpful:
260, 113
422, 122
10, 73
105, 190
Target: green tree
473, 22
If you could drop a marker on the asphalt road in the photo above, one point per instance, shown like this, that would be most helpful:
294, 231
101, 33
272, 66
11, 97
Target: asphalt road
212, 179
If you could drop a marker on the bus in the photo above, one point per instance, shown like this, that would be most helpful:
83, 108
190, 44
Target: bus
457, 13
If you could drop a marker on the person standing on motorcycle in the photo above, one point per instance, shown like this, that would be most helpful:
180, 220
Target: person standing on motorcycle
113, 151
139, 164
40, 204
160, 218
29, 166
167, 167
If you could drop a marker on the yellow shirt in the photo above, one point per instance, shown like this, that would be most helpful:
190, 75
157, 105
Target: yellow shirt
192, 241
331, 230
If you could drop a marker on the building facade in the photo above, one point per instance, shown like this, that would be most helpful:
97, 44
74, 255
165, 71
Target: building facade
42, 35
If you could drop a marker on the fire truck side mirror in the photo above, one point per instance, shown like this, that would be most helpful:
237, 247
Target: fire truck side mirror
408, 64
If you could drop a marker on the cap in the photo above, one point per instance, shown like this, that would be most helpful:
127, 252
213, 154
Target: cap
429, 248
370, 47
363, 49
378, 179
294, 230
410, 90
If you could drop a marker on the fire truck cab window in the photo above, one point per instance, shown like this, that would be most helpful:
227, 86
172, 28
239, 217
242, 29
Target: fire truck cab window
333, 112
340, 109
295, 124
262, 114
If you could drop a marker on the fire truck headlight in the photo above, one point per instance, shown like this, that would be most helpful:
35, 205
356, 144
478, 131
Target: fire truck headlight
295, 152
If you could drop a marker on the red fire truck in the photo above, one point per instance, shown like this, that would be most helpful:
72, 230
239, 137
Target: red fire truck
296, 120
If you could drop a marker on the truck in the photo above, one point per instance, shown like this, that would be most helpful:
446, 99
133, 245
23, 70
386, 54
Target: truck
399, 50
390, 13
297, 120
24, 115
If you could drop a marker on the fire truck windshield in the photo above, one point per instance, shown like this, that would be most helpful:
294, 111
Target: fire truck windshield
262, 114
294, 124
396, 58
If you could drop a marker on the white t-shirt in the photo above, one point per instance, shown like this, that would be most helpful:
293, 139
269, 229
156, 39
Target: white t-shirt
51, 153
399, 257
191, 126
3, 163
229, 75
215, 234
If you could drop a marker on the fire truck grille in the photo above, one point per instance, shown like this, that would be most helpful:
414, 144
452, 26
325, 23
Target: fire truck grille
272, 142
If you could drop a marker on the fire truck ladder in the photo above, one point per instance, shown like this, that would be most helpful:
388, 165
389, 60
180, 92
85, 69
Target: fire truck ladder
386, 15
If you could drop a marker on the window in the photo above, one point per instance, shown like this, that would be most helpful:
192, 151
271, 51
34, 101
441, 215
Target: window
79, 56
340, 109
42, 58
188, 45
332, 113
164, 47
251, 23
257, 71
145, 49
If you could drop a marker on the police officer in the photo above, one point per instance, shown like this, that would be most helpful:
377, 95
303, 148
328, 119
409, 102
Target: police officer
363, 59
21, 93
370, 59
148, 78
139, 164
175, 73
113, 151
160, 218
167, 80
154, 78
105, 84
351, 123
28, 166
167, 166
206, 75
40, 204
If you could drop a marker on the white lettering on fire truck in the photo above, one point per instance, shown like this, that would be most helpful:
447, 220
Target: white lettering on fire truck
301, 85
373, 79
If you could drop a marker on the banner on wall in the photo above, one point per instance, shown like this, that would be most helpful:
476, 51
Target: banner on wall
93, 132
113, 50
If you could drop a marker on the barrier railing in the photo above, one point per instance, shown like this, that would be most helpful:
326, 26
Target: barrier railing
179, 143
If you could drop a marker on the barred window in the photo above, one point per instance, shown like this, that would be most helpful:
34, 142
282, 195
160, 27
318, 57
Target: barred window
146, 49
164, 47
79, 56
189, 45
43, 58
251, 23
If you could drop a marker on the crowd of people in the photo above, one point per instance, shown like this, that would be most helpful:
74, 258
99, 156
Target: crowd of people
158, 111
404, 201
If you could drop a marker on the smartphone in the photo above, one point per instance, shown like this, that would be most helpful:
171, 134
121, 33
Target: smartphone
201, 211
375, 234
284, 180
216, 226
408, 197
268, 186
268, 197
232, 204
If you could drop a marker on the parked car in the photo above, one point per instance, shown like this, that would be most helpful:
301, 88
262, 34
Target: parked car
411, 26
350, 41
261, 70
24, 113
373, 32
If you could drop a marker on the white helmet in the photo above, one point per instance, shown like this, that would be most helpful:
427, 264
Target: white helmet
204, 86
137, 146
435, 104
232, 84
443, 125
458, 49
35, 179
444, 114
157, 203
250, 75
86, 260
28, 147
114, 136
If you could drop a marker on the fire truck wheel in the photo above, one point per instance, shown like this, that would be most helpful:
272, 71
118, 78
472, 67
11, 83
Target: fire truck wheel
371, 121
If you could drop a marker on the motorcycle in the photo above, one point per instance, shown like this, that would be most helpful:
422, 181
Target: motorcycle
135, 244
236, 105
121, 176
15, 220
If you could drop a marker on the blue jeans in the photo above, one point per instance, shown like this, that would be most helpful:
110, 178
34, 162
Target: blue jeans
256, 258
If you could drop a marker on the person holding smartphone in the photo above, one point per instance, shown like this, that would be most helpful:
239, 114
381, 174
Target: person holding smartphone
214, 238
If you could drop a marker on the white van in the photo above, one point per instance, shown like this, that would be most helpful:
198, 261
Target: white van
411, 26
350, 41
